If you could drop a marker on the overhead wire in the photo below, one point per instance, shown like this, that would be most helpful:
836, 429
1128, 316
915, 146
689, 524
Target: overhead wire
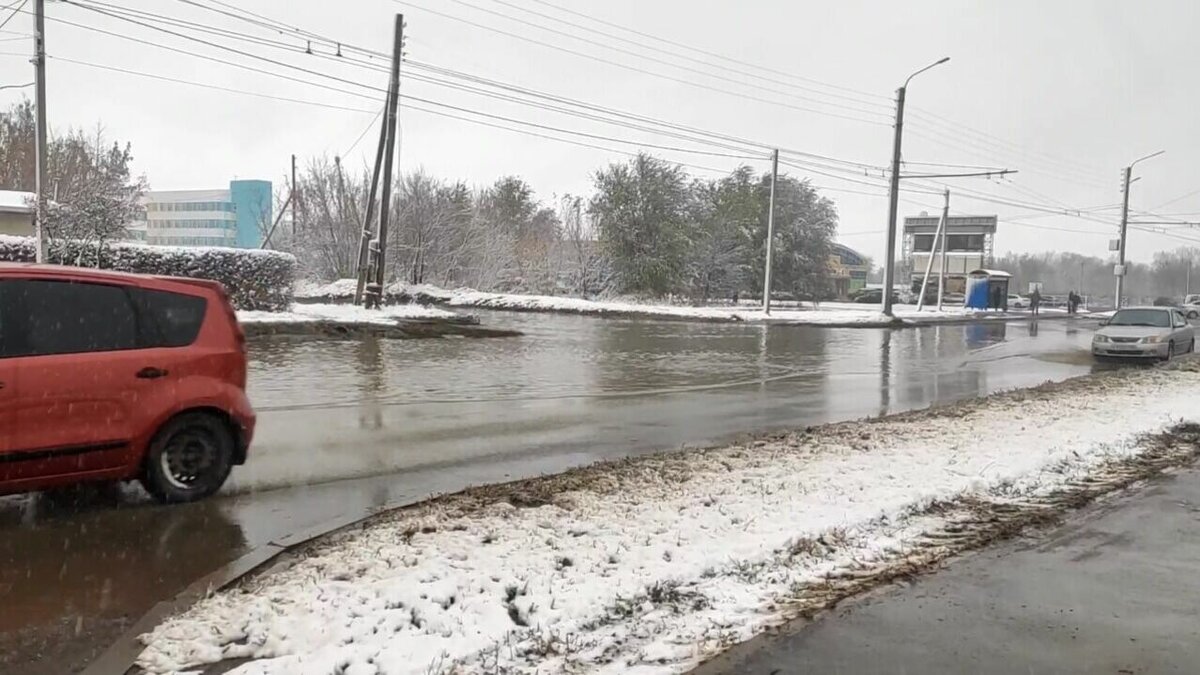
698, 50
708, 64
120, 13
636, 69
19, 6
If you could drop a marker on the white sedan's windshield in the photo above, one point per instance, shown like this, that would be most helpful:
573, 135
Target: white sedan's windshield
1141, 317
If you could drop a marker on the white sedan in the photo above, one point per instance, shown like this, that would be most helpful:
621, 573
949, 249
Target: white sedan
1018, 302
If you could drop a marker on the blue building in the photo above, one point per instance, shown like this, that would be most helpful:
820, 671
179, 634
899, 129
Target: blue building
236, 217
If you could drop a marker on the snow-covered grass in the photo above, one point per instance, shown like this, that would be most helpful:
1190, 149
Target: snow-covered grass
301, 313
650, 564
830, 314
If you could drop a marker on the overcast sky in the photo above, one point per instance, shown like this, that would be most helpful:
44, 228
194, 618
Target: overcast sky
1066, 93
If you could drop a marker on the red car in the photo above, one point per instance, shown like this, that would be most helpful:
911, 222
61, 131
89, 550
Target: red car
107, 376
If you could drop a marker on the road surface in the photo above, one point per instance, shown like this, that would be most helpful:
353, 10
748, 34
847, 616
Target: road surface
349, 427
1114, 590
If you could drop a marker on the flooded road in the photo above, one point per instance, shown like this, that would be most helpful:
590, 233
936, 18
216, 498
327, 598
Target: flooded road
348, 427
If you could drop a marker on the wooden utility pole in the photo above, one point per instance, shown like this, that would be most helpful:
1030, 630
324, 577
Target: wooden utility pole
770, 235
385, 206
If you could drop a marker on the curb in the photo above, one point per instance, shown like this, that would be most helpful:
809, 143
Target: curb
120, 656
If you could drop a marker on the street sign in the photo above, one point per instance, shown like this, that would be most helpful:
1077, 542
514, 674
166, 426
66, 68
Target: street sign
1114, 244
1118, 270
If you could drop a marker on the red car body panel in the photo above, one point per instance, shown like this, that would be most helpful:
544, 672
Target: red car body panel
68, 418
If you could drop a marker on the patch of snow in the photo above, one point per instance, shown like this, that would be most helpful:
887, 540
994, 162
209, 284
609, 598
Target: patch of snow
822, 314
17, 201
649, 565
302, 313
342, 288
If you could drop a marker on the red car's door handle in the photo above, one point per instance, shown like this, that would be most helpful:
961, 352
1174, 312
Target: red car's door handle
151, 373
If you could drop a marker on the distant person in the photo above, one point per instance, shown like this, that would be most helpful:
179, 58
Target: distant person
1072, 302
1035, 301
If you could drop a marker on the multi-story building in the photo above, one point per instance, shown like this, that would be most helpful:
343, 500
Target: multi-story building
16, 212
237, 216
968, 247
848, 269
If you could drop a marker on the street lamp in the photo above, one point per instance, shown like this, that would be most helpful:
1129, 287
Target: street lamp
1120, 269
889, 271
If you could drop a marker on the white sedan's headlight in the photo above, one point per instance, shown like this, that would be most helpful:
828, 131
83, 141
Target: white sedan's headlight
1100, 338
1152, 339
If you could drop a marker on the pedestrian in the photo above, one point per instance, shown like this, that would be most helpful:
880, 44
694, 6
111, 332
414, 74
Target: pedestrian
1072, 302
1035, 301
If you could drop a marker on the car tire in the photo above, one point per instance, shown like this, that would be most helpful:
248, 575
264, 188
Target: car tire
1170, 352
1193, 314
189, 458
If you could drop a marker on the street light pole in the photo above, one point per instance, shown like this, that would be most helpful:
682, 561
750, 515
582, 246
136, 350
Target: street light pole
1120, 270
889, 264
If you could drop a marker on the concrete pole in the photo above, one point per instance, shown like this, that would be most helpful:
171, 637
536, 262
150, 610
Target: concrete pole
1124, 229
889, 263
942, 276
39, 78
390, 120
929, 263
770, 235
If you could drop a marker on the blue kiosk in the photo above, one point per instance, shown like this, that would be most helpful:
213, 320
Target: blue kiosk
988, 289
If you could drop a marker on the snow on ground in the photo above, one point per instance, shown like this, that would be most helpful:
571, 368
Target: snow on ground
647, 565
301, 313
831, 313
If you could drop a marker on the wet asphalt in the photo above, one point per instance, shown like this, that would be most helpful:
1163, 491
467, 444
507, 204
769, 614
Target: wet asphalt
1114, 590
350, 427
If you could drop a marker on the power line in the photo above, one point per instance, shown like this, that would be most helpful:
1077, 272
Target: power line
636, 69
756, 66
1000, 142
257, 40
708, 64
166, 78
364, 132
19, 7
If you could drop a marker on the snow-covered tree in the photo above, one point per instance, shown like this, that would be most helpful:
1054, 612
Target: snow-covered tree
641, 214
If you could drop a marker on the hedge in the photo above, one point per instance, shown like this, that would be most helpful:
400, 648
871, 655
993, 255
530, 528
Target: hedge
254, 279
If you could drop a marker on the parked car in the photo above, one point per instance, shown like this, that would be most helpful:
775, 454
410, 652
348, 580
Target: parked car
1191, 306
874, 296
1154, 332
1017, 301
107, 376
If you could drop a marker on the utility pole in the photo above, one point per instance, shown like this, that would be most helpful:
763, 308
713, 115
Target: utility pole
942, 276
1187, 283
1120, 269
770, 235
933, 248
889, 263
39, 77
295, 199
385, 206
364, 246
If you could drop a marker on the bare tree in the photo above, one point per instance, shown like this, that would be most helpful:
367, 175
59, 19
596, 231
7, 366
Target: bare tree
329, 226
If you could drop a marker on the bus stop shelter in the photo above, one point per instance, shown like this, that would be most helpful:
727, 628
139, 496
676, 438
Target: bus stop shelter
988, 289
